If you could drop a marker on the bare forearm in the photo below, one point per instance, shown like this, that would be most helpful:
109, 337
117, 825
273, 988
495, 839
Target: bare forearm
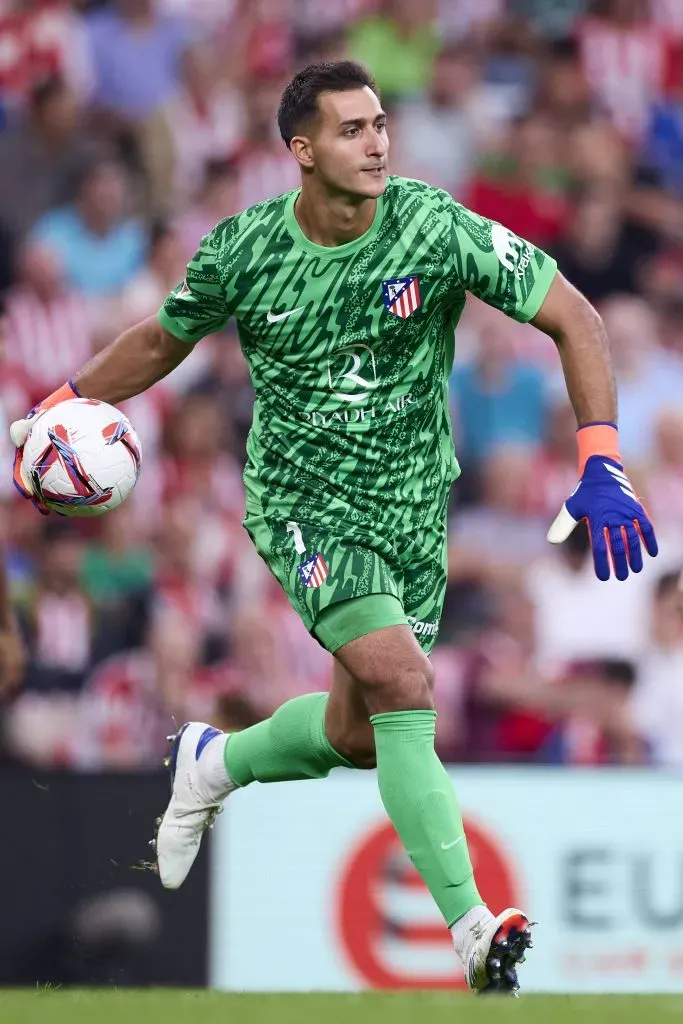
582, 343
587, 366
138, 358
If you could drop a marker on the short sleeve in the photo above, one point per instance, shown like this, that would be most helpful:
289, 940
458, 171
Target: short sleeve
198, 306
497, 266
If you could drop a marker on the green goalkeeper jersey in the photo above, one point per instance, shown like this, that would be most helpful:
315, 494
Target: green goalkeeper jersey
350, 347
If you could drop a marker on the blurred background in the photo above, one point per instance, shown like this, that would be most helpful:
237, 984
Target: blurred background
127, 129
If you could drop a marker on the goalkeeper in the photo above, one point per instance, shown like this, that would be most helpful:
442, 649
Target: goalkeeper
347, 293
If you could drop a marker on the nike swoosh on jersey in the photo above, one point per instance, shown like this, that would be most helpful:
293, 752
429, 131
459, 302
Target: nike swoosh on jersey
273, 318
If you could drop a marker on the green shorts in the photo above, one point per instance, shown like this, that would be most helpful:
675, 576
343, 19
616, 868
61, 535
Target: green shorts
325, 572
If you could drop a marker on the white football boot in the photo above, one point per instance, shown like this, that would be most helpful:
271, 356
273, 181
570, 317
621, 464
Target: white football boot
497, 947
195, 802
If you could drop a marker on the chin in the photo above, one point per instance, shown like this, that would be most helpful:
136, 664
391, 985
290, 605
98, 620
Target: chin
373, 187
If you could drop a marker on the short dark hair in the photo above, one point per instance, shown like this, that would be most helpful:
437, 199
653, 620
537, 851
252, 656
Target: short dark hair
299, 102
47, 89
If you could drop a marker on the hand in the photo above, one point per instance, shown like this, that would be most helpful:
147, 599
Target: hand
12, 657
617, 521
19, 431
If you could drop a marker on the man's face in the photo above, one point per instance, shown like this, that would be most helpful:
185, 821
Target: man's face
348, 146
103, 194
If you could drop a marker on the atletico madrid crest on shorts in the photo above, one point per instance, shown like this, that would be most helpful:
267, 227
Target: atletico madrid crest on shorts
402, 296
313, 571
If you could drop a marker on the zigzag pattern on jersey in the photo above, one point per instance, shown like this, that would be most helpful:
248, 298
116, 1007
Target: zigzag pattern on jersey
351, 419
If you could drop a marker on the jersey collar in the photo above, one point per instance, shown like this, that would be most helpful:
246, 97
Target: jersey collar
329, 252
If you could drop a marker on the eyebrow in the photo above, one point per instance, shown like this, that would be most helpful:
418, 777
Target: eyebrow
358, 122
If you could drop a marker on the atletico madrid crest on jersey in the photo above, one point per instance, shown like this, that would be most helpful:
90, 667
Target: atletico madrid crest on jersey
402, 296
313, 571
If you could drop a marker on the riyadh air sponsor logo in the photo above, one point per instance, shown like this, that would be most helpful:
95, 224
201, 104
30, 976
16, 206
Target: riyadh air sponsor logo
352, 380
317, 418
514, 253
420, 628
352, 373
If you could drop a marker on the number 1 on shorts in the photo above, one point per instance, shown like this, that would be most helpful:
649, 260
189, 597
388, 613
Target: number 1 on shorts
295, 530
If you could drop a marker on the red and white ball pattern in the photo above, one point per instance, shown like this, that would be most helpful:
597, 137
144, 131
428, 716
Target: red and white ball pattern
82, 457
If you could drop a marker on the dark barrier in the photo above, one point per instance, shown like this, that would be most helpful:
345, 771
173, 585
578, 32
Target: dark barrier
73, 907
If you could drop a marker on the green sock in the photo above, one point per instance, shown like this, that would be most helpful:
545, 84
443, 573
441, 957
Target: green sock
421, 802
291, 744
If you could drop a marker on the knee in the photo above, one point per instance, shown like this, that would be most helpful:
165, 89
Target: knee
415, 687
408, 688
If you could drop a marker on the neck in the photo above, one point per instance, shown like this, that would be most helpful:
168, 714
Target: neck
95, 223
332, 218
138, 20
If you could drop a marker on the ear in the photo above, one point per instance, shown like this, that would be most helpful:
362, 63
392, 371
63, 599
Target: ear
302, 150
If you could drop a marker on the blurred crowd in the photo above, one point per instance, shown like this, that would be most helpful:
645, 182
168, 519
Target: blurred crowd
127, 129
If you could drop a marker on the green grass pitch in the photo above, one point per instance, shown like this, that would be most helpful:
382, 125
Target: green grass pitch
55, 1006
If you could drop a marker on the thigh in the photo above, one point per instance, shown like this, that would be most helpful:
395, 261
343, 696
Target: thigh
321, 570
424, 568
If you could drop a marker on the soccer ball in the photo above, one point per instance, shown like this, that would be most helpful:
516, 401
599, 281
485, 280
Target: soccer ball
82, 458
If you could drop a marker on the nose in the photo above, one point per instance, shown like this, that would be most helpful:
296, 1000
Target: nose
377, 144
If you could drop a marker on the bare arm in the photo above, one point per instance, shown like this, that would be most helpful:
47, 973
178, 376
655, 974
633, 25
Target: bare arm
577, 330
138, 358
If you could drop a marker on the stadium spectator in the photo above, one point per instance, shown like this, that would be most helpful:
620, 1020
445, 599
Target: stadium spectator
578, 618
626, 60
137, 55
97, 243
202, 121
199, 462
665, 480
40, 156
144, 293
117, 564
227, 380
552, 19
657, 702
273, 652
491, 541
647, 376
437, 137
400, 47
263, 166
593, 153
523, 184
12, 649
663, 143
471, 20
41, 40
563, 92
44, 313
217, 197
598, 252
498, 398
57, 617
556, 464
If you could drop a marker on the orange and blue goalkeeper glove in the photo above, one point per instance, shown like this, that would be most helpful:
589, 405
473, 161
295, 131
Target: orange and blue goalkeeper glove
617, 522
19, 432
